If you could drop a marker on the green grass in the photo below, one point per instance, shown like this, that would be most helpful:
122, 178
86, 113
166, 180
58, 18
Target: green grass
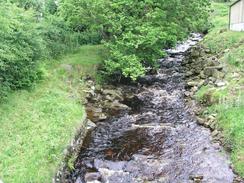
37, 125
220, 38
228, 45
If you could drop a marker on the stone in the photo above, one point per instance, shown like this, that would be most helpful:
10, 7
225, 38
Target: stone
188, 94
235, 75
94, 176
202, 75
207, 51
192, 83
116, 94
197, 179
220, 83
219, 75
211, 71
189, 73
215, 133
90, 125
118, 106
95, 113
194, 89
200, 121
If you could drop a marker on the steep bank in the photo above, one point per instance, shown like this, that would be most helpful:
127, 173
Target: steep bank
216, 78
37, 125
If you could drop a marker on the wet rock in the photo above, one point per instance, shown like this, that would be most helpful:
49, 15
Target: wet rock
115, 176
94, 176
116, 166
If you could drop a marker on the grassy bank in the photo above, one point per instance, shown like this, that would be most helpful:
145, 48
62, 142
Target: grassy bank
229, 48
37, 125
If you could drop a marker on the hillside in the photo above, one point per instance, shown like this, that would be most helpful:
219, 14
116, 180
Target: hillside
228, 47
37, 125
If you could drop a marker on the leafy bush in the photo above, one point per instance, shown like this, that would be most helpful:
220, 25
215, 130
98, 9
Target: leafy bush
135, 31
140, 30
25, 41
20, 48
85, 17
57, 36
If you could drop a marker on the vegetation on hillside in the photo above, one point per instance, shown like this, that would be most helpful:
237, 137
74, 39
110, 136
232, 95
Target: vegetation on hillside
228, 45
26, 40
37, 125
135, 32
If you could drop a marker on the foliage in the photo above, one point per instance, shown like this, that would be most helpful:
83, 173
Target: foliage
25, 41
135, 31
57, 36
85, 17
20, 49
139, 30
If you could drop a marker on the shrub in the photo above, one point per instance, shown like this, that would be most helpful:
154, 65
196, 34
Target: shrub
57, 36
20, 48
140, 30
85, 17
26, 40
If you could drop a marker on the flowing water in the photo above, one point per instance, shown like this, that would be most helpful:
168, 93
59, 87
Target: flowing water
158, 142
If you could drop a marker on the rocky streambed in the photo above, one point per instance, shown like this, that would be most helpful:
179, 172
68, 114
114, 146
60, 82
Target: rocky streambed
149, 132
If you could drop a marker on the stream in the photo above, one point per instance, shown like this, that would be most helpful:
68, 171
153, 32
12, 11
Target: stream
158, 141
